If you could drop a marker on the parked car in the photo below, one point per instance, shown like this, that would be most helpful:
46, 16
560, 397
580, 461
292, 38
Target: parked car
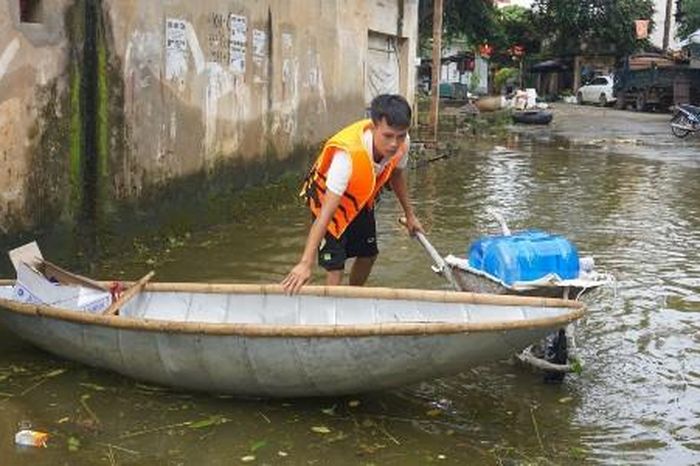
599, 91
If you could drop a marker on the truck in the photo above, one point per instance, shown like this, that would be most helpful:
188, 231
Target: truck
655, 82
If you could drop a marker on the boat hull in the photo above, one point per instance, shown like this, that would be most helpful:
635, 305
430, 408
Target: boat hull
289, 360
270, 367
478, 284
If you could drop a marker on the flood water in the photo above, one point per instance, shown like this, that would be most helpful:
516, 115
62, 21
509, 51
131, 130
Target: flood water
637, 400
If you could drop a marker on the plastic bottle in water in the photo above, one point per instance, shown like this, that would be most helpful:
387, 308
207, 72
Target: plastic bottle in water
28, 437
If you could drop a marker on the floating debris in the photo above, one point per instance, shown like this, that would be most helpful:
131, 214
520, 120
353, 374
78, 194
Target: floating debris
31, 438
321, 429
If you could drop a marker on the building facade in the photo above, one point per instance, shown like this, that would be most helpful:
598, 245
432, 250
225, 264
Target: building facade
103, 100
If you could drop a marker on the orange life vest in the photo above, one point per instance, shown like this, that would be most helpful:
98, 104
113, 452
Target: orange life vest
363, 185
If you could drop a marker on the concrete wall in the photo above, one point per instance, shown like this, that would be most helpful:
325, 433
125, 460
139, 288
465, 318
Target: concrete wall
33, 145
131, 95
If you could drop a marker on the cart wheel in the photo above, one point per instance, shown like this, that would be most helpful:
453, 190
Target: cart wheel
556, 352
681, 120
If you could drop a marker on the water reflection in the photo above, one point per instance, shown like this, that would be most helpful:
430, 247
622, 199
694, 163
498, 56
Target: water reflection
637, 400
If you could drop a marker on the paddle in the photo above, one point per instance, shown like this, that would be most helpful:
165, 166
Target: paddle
441, 266
113, 309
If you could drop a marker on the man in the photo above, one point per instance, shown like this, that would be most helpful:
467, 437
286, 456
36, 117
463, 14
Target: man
341, 189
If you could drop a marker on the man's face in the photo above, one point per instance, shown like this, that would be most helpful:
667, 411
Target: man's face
387, 139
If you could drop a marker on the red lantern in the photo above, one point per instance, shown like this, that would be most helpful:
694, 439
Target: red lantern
518, 50
485, 50
641, 27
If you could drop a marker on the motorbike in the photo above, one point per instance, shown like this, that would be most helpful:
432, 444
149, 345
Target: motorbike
686, 120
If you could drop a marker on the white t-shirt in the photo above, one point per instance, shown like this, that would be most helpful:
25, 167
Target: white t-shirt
340, 170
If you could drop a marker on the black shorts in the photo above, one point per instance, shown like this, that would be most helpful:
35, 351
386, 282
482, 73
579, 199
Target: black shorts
358, 240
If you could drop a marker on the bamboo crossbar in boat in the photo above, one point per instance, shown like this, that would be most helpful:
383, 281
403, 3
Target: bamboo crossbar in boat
132, 291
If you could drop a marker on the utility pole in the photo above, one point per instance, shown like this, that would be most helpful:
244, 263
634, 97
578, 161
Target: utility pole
437, 64
667, 23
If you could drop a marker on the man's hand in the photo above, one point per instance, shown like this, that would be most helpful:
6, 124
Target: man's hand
298, 277
413, 225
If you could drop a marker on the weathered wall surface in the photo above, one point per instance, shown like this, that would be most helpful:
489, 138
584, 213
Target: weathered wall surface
156, 91
33, 146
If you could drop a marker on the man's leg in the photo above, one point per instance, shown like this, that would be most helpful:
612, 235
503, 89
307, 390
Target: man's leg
334, 277
332, 256
361, 269
362, 245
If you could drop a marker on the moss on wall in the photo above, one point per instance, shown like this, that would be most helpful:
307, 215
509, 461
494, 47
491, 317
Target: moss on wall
75, 153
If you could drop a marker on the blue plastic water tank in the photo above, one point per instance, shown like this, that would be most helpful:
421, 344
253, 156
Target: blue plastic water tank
525, 256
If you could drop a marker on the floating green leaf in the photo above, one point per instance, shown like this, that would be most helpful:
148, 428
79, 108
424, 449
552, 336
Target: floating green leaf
258, 445
55, 373
577, 366
330, 411
93, 386
211, 421
73, 444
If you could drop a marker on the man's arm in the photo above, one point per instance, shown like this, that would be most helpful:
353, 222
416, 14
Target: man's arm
400, 188
301, 272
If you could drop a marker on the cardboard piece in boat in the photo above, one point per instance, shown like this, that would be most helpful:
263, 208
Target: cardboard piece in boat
29, 254
55, 286
32, 287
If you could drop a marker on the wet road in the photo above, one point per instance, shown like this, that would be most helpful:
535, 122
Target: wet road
634, 206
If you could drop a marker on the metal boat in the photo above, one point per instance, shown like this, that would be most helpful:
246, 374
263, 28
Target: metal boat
253, 340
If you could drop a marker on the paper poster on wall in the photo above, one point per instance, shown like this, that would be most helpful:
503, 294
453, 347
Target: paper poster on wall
176, 48
259, 43
175, 34
218, 38
238, 27
259, 51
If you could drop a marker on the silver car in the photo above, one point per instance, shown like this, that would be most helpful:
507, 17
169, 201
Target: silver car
599, 90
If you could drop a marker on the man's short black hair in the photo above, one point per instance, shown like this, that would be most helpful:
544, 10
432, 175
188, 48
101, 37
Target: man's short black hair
393, 108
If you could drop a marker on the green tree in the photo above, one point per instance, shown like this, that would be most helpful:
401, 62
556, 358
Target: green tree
474, 20
572, 26
688, 15
515, 25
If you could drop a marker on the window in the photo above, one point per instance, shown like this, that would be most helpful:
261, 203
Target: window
30, 11
599, 82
